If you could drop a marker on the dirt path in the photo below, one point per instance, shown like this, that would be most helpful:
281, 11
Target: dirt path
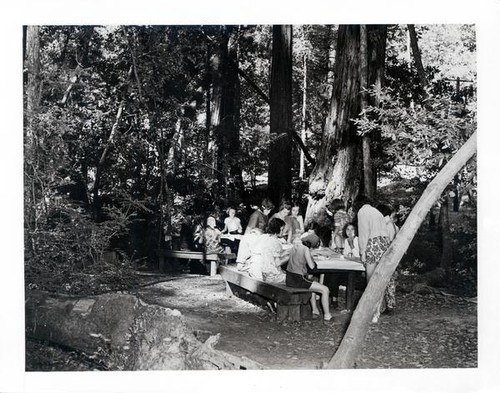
426, 331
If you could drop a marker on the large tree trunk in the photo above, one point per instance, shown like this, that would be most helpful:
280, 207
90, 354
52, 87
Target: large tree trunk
368, 185
338, 167
342, 155
304, 120
32, 68
417, 57
32, 65
226, 111
232, 120
280, 149
377, 41
356, 332
125, 333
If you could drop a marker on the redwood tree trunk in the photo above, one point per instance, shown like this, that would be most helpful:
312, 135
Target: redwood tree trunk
280, 149
337, 172
356, 332
343, 155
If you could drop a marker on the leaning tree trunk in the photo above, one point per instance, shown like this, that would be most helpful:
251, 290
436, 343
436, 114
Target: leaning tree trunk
353, 339
338, 170
125, 333
280, 149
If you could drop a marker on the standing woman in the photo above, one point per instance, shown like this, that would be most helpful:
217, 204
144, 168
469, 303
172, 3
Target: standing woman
373, 239
389, 302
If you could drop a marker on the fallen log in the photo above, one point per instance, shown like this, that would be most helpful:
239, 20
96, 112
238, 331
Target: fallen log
125, 333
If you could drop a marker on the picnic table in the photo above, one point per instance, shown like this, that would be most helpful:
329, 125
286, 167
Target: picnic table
330, 262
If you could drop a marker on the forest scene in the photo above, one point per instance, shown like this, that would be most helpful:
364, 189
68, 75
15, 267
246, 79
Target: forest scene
135, 135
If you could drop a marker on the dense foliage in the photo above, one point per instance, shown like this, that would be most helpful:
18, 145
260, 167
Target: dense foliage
120, 149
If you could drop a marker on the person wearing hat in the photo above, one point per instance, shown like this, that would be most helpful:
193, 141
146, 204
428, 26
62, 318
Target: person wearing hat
296, 271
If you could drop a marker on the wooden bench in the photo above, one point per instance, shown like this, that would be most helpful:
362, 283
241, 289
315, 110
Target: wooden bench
292, 303
213, 258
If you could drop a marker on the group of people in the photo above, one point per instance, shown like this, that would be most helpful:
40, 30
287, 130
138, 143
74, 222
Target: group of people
278, 248
271, 243
211, 238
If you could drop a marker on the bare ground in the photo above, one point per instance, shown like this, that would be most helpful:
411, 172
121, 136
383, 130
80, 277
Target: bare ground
425, 331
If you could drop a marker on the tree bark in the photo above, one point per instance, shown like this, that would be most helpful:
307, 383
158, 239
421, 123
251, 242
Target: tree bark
125, 333
417, 57
377, 42
353, 339
338, 166
226, 112
304, 112
369, 187
32, 67
341, 146
280, 149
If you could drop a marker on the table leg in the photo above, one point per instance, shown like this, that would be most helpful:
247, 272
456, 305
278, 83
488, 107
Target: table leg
350, 291
213, 268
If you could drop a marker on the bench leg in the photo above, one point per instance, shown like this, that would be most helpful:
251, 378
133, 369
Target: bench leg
229, 291
305, 311
281, 312
288, 311
294, 312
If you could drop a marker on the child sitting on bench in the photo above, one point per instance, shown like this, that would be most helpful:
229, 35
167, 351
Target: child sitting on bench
296, 271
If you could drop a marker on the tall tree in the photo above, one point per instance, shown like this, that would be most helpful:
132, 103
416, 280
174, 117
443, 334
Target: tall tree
33, 93
369, 187
280, 149
32, 66
372, 66
225, 110
338, 167
417, 57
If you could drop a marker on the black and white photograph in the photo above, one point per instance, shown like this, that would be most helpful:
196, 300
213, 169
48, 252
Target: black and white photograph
234, 203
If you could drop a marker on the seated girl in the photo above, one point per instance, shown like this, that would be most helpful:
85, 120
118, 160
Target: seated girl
232, 225
268, 255
300, 260
351, 243
210, 237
